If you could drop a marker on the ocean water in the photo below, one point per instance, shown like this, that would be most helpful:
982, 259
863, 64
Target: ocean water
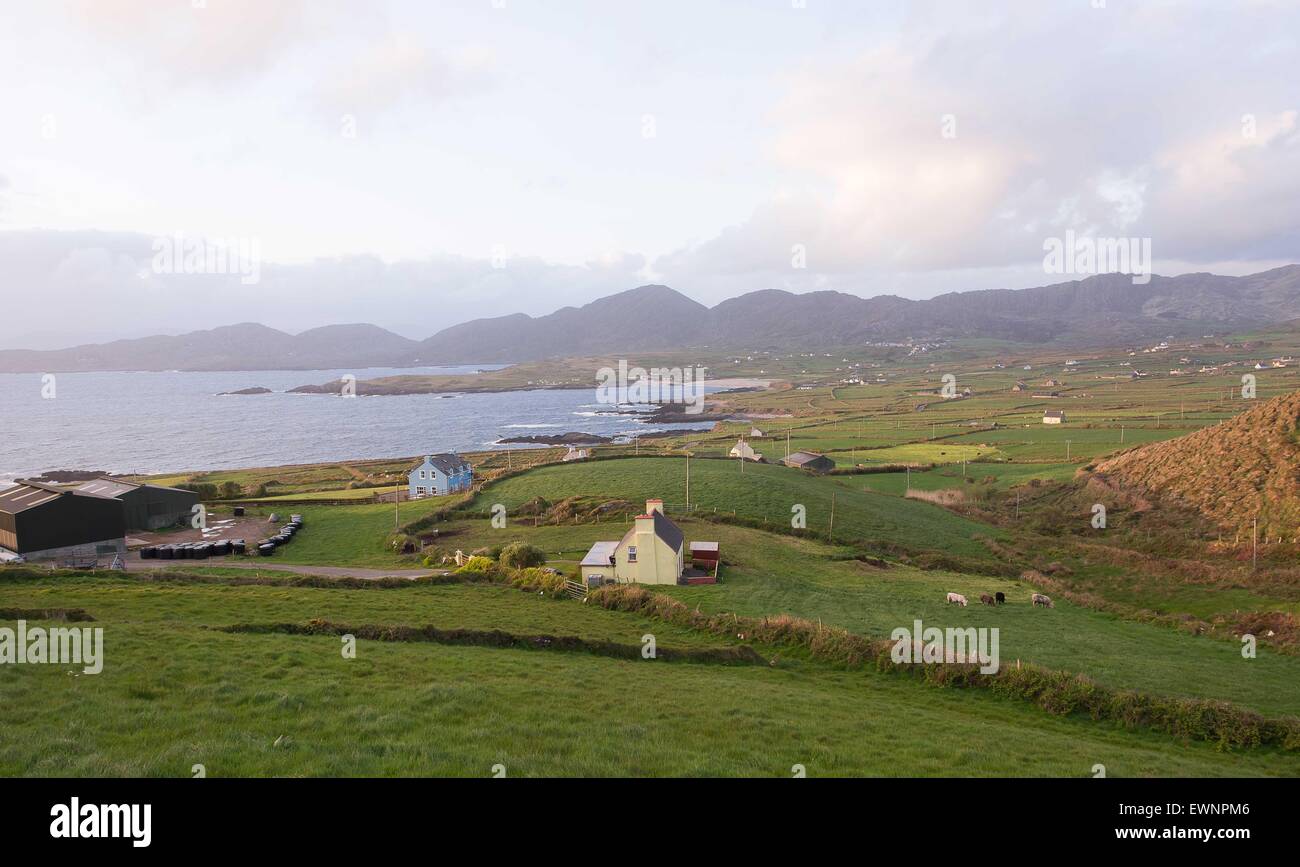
142, 422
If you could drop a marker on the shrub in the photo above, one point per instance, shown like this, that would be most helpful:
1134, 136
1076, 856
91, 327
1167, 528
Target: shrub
478, 566
521, 555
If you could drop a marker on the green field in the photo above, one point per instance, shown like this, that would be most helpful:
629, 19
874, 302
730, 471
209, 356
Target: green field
758, 492
175, 692
765, 574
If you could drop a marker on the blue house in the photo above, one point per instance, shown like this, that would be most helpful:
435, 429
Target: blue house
440, 474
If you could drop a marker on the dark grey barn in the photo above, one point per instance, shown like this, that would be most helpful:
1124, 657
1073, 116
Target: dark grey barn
148, 507
40, 521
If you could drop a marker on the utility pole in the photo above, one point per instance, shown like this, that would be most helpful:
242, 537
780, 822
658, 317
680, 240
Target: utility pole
787, 444
688, 482
830, 530
1254, 543
1017, 505
1067, 451
909, 479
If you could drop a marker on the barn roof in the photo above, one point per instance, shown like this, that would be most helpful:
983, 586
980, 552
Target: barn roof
804, 458
28, 495
108, 487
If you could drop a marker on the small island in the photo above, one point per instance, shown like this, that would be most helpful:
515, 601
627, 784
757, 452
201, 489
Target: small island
254, 390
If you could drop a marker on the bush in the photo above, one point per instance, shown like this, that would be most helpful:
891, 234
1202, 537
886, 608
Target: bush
521, 555
538, 580
478, 566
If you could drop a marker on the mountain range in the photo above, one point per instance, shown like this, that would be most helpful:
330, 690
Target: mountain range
1108, 309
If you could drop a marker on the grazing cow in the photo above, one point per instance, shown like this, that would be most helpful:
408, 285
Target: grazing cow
987, 599
1040, 599
957, 598
1000, 597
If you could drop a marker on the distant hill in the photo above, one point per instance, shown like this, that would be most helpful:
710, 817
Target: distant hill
1104, 310
1242, 469
247, 346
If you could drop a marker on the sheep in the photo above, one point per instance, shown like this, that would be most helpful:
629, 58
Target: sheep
957, 598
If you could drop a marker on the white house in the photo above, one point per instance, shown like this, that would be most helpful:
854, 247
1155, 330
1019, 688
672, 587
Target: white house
1053, 416
745, 451
440, 474
575, 454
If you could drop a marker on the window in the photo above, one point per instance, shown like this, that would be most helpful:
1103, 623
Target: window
631, 553
422, 474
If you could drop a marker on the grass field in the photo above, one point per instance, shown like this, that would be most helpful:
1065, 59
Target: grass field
759, 492
779, 575
174, 692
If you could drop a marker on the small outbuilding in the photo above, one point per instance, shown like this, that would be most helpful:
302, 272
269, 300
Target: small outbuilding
810, 461
1054, 416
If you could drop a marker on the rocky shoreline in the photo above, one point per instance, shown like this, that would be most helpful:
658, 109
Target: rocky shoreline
564, 439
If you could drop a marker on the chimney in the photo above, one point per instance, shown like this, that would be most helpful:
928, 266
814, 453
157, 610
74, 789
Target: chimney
652, 506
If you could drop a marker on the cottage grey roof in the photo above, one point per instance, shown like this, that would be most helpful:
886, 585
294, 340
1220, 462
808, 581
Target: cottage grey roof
666, 530
801, 458
448, 462
599, 554
27, 495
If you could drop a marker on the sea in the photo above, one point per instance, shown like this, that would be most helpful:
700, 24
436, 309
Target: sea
165, 422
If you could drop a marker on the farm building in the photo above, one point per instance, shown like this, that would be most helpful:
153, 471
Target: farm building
440, 474
576, 454
810, 461
44, 522
148, 507
755, 432
745, 451
1054, 416
651, 552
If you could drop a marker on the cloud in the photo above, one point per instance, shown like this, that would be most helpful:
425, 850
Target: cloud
967, 140
217, 42
396, 68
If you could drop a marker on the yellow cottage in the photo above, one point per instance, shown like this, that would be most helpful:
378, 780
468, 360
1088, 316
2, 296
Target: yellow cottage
652, 552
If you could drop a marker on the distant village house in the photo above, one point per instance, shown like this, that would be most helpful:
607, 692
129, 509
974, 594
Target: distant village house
744, 451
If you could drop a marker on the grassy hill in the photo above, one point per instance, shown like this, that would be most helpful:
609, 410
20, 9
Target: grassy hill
760, 492
1240, 469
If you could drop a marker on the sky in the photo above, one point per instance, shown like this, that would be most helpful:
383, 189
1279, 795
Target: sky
419, 164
